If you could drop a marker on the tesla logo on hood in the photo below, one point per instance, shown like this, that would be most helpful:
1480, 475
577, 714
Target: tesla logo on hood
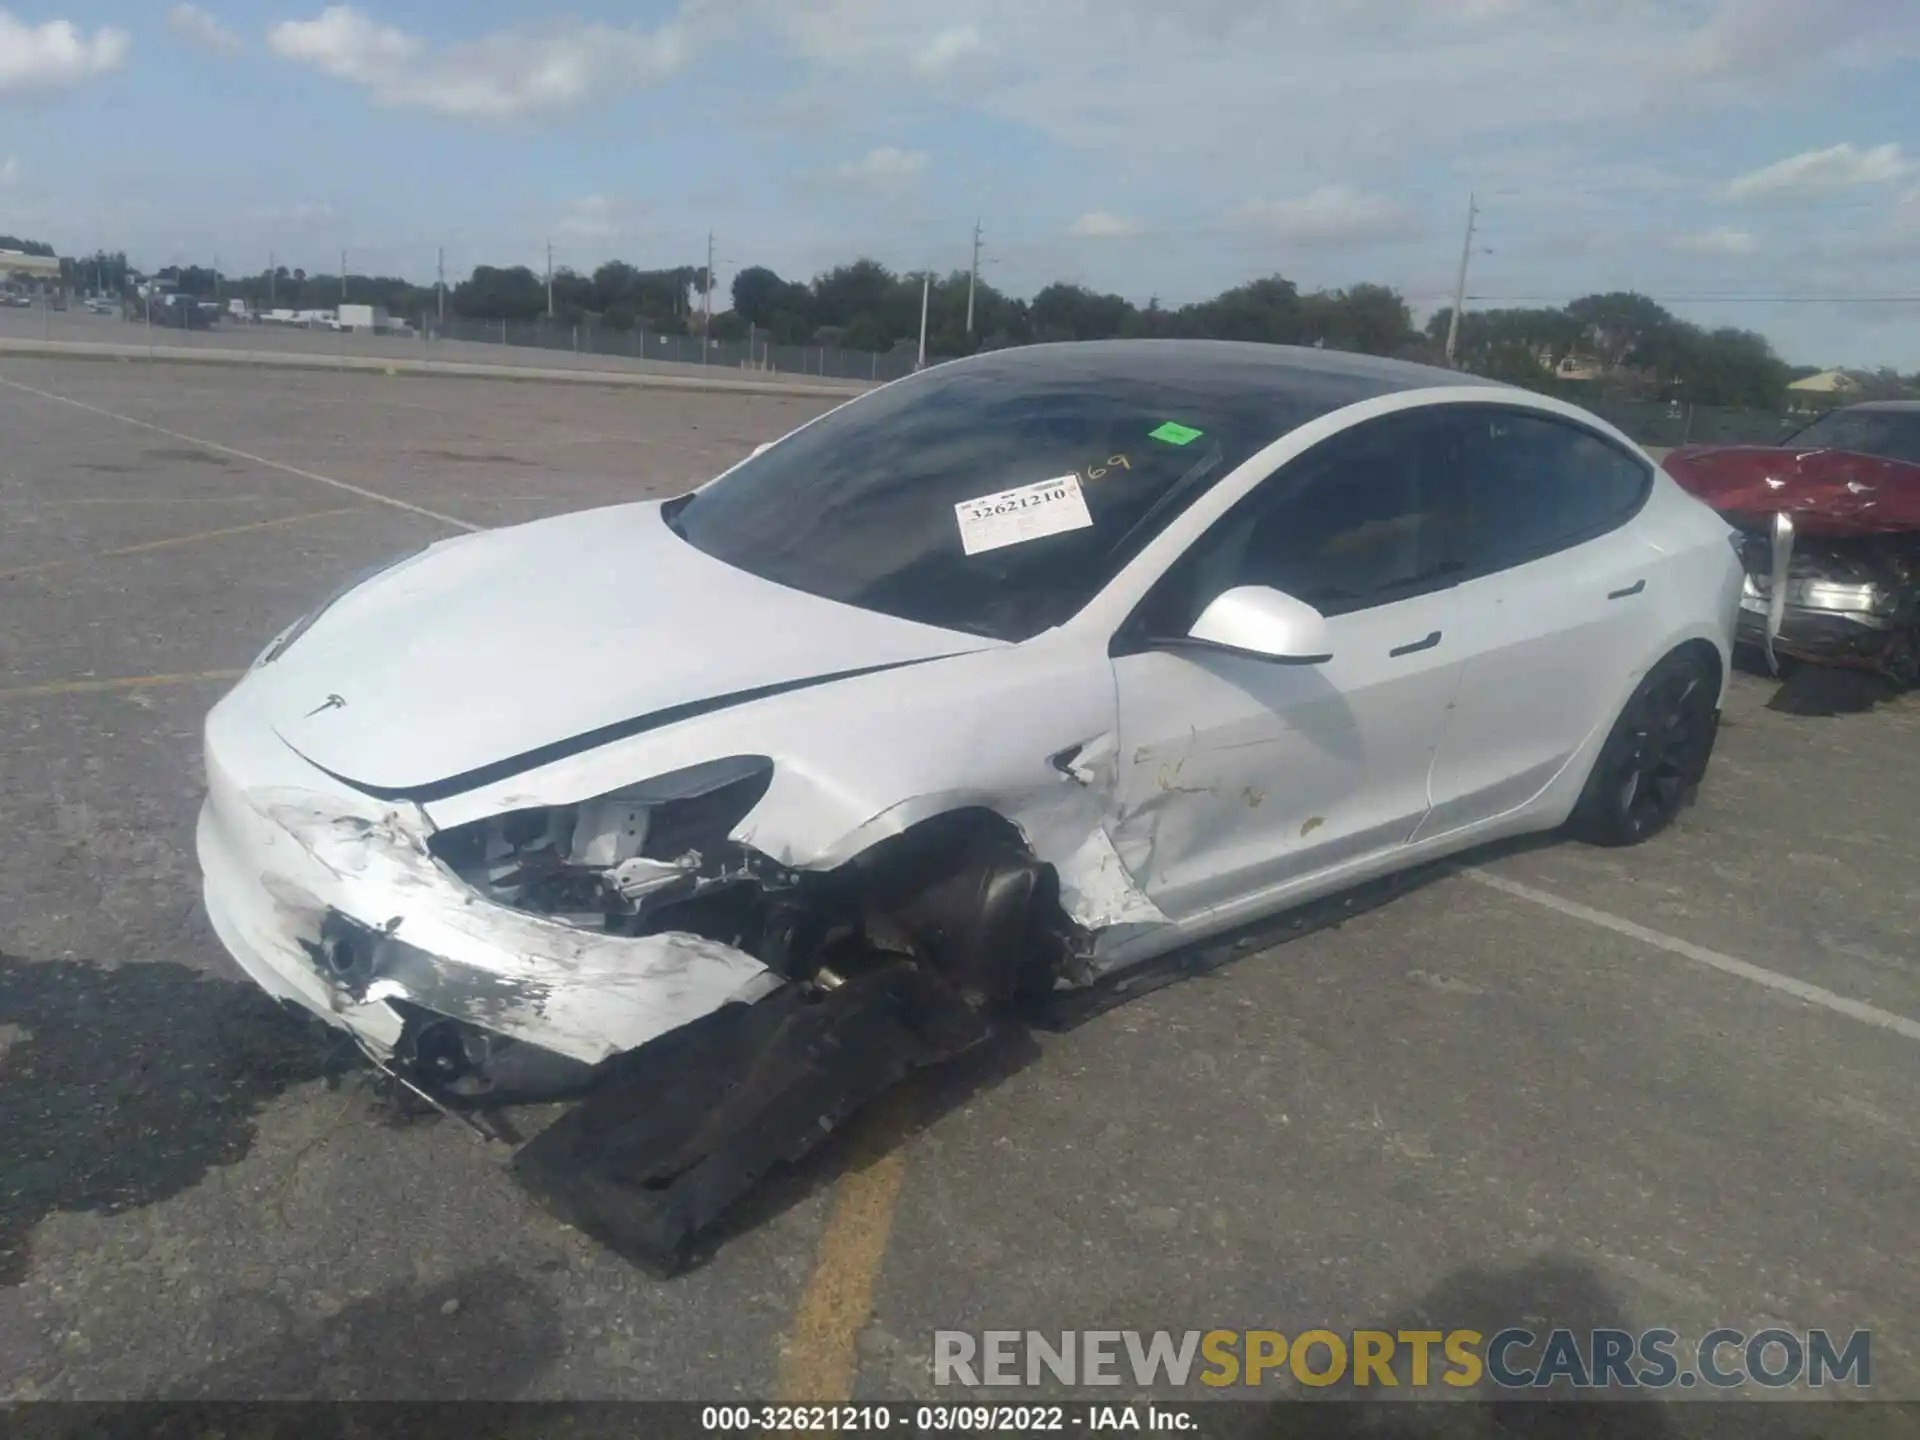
332, 702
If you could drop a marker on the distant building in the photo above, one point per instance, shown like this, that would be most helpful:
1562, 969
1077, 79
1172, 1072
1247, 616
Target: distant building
1568, 367
17, 264
1827, 382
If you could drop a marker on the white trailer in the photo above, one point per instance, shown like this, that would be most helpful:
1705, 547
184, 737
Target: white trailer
363, 317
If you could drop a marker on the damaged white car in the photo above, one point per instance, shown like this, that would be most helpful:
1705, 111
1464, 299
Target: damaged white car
996, 687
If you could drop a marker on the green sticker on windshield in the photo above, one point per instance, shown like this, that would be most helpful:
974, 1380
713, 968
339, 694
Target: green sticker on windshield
1174, 433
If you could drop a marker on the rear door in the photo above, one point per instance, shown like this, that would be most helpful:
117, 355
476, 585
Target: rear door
1551, 612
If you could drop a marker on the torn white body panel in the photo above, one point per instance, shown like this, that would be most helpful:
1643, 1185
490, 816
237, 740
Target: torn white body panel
281, 847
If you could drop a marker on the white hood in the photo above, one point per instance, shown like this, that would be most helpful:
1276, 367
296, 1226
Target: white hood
488, 648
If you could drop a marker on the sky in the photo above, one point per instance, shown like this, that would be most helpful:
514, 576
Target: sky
1747, 162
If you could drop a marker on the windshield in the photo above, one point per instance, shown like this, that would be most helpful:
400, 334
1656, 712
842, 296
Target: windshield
1890, 434
999, 495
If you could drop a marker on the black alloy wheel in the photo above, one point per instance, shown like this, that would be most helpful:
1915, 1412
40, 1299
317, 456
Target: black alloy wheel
1653, 762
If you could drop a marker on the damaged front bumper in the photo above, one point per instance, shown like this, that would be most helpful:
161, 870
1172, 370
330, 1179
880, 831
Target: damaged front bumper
1821, 620
332, 901
702, 1062
1848, 602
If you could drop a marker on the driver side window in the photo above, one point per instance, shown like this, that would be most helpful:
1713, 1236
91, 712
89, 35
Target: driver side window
1360, 520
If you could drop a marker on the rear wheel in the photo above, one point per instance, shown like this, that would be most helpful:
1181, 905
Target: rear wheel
1652, 763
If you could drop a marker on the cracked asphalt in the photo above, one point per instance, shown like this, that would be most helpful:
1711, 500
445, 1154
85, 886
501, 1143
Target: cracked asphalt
1475, 1106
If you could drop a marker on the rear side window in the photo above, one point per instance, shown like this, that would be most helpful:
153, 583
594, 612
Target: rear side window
1889, 434
1532, 485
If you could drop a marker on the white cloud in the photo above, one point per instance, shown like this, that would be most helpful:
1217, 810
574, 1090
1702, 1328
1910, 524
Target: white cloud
1101, 225
199, 27
946, 49
1747, 42
1839, 167
916, 36
36, 59
496, 77
1718, 241
1329, 215
887, 168
9, 172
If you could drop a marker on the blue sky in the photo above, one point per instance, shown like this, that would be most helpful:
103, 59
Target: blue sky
1749, 162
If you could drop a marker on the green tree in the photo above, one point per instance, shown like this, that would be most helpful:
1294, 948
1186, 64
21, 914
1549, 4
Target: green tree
1072, 312
1622, 327
1266, 310
863, 288
495, 294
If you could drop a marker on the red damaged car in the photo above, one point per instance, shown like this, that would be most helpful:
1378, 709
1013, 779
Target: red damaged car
1829, 531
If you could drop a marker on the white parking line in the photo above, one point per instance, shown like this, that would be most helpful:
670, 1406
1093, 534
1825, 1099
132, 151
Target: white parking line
218, 448
1772, 979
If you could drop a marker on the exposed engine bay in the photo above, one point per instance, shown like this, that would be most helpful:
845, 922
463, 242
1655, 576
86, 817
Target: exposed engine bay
916, 951
961, 895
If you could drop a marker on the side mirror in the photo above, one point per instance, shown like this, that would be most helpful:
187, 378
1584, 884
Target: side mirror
1254, 620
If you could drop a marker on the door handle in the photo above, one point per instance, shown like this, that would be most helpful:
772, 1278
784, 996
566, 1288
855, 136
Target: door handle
1418, 645
1634, 589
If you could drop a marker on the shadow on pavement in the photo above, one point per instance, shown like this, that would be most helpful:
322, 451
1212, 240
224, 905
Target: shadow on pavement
120, 1087
486, 1335
1540, 1296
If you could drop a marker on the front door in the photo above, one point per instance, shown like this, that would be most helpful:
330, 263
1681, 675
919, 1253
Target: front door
1238, 775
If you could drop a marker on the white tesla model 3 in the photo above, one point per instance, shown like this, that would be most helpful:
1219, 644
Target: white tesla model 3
995, 683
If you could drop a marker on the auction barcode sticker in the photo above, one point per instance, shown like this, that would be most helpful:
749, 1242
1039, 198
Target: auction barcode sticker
1011, 517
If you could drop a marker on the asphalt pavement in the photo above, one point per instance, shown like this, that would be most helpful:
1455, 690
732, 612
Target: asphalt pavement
1648, 1087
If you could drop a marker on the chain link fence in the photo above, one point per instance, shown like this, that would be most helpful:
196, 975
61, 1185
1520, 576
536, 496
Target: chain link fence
587, 346
1653, 422
641, 343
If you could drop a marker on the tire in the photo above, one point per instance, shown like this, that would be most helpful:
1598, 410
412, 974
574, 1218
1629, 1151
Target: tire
1652, 764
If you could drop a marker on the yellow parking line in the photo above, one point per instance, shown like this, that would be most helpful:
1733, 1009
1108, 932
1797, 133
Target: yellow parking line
132, 682
194, 539
818, 1358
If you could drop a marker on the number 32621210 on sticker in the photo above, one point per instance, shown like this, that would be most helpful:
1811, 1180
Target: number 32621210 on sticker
1028, 512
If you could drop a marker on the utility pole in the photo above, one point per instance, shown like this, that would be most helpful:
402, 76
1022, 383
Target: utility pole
216, 279
973, 275
1460, 284
343, 276
272, 276
706, 302
549, 279
440, 284
926, 286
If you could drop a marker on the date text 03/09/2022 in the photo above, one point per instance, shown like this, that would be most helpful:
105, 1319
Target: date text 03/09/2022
911, 1419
